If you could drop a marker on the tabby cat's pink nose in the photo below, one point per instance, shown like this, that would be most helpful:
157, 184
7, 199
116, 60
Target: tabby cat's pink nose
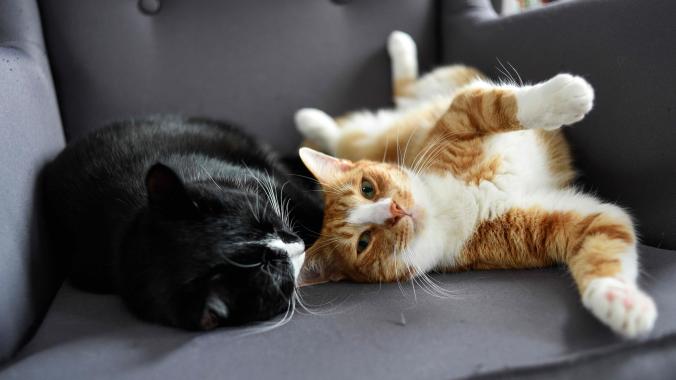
396, 211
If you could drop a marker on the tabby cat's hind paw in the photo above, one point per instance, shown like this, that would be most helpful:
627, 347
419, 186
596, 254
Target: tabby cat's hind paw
562, 100
318, 127
401, 45
404, 56
623, 307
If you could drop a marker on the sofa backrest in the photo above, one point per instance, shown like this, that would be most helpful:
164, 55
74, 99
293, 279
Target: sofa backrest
31, 134
626, 147
251, 62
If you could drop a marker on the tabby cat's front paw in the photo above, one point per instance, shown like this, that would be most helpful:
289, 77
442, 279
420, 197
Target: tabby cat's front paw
562, 100
623, 307
318, 127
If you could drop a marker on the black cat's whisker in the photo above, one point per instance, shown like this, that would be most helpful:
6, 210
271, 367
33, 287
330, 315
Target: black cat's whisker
273, 278
254, 211
303, 307
210, 177
240, 265
267, 186
264, 327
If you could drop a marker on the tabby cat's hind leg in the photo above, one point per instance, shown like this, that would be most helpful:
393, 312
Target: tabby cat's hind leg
604, 263
598, 243
595, 240
408, 88
319, 128
404, 60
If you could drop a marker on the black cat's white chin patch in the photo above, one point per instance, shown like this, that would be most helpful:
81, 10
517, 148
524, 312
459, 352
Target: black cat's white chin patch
295, 251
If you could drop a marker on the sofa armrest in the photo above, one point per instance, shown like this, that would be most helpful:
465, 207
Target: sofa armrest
625, 147
31, 134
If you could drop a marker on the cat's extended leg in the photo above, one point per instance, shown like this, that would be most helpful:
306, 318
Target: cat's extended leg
409, 89
404, 60
483, 108
596, 241
319, 128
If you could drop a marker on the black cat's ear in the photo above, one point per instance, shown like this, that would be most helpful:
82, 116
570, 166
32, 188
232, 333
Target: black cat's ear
165, 189
214, 313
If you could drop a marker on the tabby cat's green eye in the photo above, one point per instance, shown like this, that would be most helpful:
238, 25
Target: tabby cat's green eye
364, 241
367, 189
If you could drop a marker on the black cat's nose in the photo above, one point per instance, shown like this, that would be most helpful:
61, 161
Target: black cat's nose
286, 236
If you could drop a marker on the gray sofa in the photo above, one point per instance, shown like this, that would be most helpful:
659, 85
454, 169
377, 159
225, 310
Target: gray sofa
68, 66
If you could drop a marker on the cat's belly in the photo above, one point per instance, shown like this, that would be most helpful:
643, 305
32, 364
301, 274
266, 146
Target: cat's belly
523, 162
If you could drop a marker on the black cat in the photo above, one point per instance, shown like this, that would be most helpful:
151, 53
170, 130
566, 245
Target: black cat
192, 222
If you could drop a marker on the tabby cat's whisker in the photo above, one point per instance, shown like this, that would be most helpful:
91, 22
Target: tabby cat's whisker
408, 142
516, 72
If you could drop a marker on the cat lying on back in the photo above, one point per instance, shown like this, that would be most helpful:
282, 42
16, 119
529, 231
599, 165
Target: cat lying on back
467, 174
193, 223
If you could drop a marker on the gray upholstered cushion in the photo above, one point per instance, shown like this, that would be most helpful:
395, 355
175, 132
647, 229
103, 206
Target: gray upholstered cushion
30, 134
498, 321
625, 147
251, 62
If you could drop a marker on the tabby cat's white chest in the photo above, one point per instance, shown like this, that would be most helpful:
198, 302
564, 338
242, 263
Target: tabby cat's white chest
451, 210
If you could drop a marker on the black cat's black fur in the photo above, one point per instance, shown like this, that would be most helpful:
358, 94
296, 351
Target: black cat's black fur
175, 214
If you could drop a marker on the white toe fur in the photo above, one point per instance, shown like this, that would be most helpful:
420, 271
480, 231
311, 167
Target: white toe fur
622, 306
562, 100
403, 54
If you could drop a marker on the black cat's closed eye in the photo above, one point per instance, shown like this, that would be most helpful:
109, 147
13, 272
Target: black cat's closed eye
367, 189
363, 241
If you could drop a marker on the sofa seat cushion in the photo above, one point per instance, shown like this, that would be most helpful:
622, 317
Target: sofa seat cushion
496, 323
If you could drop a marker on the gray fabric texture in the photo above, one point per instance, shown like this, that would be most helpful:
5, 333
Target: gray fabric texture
625, 147
30, 132
497, 322
251, 62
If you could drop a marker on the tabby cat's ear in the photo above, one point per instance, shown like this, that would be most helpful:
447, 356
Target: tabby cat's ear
165, 190
323, 166
317, 272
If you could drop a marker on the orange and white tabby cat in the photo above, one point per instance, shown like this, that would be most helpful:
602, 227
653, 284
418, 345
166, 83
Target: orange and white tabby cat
467, 174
